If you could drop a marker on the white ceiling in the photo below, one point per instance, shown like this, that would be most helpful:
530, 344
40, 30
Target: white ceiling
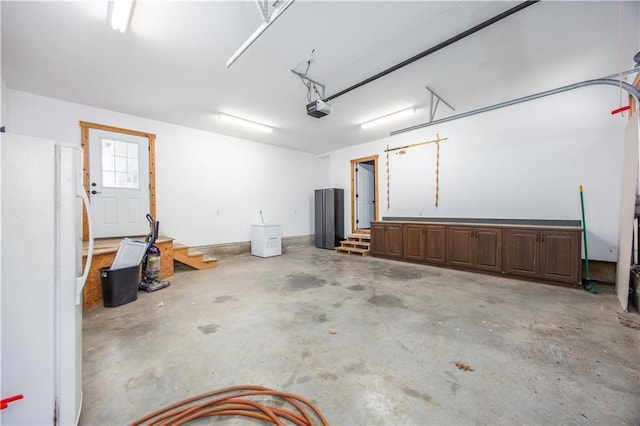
170, 65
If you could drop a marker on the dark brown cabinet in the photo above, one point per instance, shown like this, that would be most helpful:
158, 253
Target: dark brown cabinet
489, 249
386, 240
459, 241
377, 239
560, 257
424, 243
475, 248
552, 255
540, 253
414, 242
436, 247
523, 252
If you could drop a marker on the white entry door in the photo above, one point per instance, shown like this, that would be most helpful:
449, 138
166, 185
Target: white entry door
365, 197
119, 184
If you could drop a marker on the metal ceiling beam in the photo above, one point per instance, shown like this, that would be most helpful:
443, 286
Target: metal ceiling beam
606, 81
258, 32
434, 106
437, 47
263, 8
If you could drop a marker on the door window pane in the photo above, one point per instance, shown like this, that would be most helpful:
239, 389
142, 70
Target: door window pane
132, 150
108, 180
121, 148
120, 166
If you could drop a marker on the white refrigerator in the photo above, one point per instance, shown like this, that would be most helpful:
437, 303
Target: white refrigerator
41, 280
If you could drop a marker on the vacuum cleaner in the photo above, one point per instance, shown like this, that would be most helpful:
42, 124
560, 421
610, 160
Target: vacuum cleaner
151, 261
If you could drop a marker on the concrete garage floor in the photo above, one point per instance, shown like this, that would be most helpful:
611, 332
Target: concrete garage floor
370, 341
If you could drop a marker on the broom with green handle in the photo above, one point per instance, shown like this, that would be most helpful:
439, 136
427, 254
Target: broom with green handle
588, 285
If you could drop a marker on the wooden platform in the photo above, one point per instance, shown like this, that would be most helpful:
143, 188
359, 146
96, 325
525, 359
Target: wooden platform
194, 258
356, 244
104, 251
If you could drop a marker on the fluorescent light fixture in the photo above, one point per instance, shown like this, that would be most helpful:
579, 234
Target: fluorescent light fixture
121, 14
246, 123
387, 118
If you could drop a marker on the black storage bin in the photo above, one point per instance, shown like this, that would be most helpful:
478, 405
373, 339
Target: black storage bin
119, 286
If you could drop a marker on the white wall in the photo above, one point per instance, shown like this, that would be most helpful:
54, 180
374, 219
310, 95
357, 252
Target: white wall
4, 107
526, 162
210, 187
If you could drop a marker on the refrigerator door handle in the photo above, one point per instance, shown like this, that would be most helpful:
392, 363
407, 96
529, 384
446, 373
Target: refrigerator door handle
81, 280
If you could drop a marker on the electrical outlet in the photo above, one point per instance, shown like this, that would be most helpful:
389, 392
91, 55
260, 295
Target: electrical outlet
217, 212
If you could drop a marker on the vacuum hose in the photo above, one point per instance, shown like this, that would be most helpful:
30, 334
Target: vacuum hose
231, 401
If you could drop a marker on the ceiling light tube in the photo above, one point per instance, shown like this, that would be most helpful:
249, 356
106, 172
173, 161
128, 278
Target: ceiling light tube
387, 118
121, 14
246, 123
257, 33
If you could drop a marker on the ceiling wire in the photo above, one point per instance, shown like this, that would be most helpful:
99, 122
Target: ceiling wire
305, 73
308, 83
317, 92
308, 60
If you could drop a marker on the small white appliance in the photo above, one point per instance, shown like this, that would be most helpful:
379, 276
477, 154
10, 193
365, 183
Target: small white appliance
266, 240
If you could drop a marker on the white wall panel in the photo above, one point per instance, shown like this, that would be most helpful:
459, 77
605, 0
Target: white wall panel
525, 162
4, 106
210, 187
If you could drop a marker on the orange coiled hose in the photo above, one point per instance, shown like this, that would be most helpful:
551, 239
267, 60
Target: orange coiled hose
231, 401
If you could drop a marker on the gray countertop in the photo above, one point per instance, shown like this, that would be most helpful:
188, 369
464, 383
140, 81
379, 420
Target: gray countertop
547, 223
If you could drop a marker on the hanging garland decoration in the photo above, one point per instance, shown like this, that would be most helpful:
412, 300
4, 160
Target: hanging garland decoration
388, 201
402, 149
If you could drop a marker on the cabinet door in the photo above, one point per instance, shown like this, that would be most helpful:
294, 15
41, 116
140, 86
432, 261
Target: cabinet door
377, 239
460, 247
435, 249
522, 253
560, 256
393, 240
414, 245
488, 244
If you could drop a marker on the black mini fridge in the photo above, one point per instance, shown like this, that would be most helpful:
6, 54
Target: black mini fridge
329, 215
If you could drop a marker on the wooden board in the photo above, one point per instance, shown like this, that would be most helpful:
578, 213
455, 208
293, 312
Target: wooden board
627, 209
84, 143
104, 254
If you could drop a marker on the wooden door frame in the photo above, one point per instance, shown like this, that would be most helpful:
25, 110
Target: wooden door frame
373, 158
84, 141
